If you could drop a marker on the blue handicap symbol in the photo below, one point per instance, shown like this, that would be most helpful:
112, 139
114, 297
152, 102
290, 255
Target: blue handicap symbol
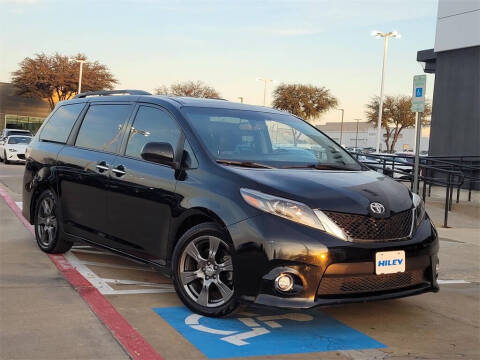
418, 92
265, 333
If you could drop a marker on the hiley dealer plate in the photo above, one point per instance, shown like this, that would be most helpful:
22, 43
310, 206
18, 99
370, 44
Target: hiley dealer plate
389, 262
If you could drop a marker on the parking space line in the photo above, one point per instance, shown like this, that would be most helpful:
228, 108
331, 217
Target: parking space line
95, 263
133, 343
453, 282
102, 284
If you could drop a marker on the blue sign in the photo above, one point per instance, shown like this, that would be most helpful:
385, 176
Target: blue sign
265, 333
418, 92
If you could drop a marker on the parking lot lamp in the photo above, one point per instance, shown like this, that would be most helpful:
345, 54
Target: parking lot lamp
264, 88
378, 35
80, 74
341, 126
356, 136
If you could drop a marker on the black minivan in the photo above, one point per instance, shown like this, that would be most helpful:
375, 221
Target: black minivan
237, 203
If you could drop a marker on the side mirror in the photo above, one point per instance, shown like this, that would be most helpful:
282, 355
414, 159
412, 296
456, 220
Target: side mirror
158, 152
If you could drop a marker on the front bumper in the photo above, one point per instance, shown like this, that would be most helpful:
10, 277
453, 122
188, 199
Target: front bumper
328, 270
15, 156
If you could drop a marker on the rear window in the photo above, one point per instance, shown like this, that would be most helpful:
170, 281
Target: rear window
60, 123
17, 132
102, 127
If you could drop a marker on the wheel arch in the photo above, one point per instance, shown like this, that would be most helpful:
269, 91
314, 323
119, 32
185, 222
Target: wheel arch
189, 219
43, 181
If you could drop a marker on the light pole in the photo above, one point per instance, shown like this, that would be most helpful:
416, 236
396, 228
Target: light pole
264, 88
356, 136
80, 74
379, 34
341, 126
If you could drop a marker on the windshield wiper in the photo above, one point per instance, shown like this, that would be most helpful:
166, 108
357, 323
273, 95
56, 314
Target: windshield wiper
319, 167
244, 164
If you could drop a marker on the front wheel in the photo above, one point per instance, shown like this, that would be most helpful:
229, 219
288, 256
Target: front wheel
5, 158
47, 233
202, 268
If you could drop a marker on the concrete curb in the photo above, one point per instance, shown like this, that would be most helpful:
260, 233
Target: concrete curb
133, 343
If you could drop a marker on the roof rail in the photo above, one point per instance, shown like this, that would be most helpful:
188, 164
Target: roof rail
111, 92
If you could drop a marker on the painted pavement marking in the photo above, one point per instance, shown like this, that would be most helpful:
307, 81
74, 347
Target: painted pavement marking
266, 333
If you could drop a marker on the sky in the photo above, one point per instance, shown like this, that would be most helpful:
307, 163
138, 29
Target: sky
228, 44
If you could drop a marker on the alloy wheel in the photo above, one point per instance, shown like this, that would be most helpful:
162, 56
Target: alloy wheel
46, 222
206, 271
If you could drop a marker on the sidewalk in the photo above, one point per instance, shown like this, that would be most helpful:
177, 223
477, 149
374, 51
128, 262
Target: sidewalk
41, 315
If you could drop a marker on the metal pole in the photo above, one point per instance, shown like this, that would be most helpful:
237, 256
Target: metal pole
417, 152
341, 127
380, 108
80, 76
356, 136
445, 216
264, 92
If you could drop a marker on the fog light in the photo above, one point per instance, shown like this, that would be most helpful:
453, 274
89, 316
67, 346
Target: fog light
284, 282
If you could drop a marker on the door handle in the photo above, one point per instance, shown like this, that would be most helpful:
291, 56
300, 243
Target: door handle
119, 170
102, 166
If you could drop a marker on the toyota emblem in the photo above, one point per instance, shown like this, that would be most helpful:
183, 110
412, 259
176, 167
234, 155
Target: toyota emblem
377, 208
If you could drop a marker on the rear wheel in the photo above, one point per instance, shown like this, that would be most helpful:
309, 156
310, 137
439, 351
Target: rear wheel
203, 271
47, 232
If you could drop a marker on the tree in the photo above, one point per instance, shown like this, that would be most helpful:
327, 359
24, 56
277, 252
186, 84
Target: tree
55, 77
189, 88
305, 101
396, 116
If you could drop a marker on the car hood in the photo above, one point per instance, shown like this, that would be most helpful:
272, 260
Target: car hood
18, 147
341, 191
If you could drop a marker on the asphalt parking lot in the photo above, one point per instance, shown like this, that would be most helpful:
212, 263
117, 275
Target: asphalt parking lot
430, 326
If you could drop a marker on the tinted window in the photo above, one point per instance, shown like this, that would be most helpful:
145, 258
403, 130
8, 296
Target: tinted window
273, 139
15, 132
102, 127
60, 123
20, 140
151, 125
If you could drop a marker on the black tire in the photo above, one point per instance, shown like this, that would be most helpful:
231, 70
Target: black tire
5, 158
213, 273
47, 232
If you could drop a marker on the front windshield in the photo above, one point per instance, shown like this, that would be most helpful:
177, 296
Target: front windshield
269, 139
20, 140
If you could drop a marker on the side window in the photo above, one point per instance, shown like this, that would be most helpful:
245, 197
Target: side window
60, 123
102, 127
151, 125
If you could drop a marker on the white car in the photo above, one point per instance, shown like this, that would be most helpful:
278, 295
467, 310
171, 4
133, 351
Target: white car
13, 148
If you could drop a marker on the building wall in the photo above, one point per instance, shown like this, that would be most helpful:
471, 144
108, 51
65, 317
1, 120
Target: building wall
368, 137
455, 124
20, 109
458, 24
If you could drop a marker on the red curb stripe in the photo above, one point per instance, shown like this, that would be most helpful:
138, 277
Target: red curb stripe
133, 343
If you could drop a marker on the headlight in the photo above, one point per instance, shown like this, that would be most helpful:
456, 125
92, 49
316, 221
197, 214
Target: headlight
292, 210
419, 208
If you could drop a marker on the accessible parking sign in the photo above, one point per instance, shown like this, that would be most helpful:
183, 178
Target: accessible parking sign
265, 333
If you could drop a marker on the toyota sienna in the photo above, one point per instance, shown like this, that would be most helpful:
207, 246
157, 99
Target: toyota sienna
237, 203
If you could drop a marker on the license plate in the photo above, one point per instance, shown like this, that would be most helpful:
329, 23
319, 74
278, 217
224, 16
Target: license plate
389, 262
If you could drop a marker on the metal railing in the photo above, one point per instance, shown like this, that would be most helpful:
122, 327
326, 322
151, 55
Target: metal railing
449, 172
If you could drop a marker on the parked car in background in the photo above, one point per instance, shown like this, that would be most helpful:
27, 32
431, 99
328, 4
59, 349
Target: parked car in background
12, 148
8, 132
